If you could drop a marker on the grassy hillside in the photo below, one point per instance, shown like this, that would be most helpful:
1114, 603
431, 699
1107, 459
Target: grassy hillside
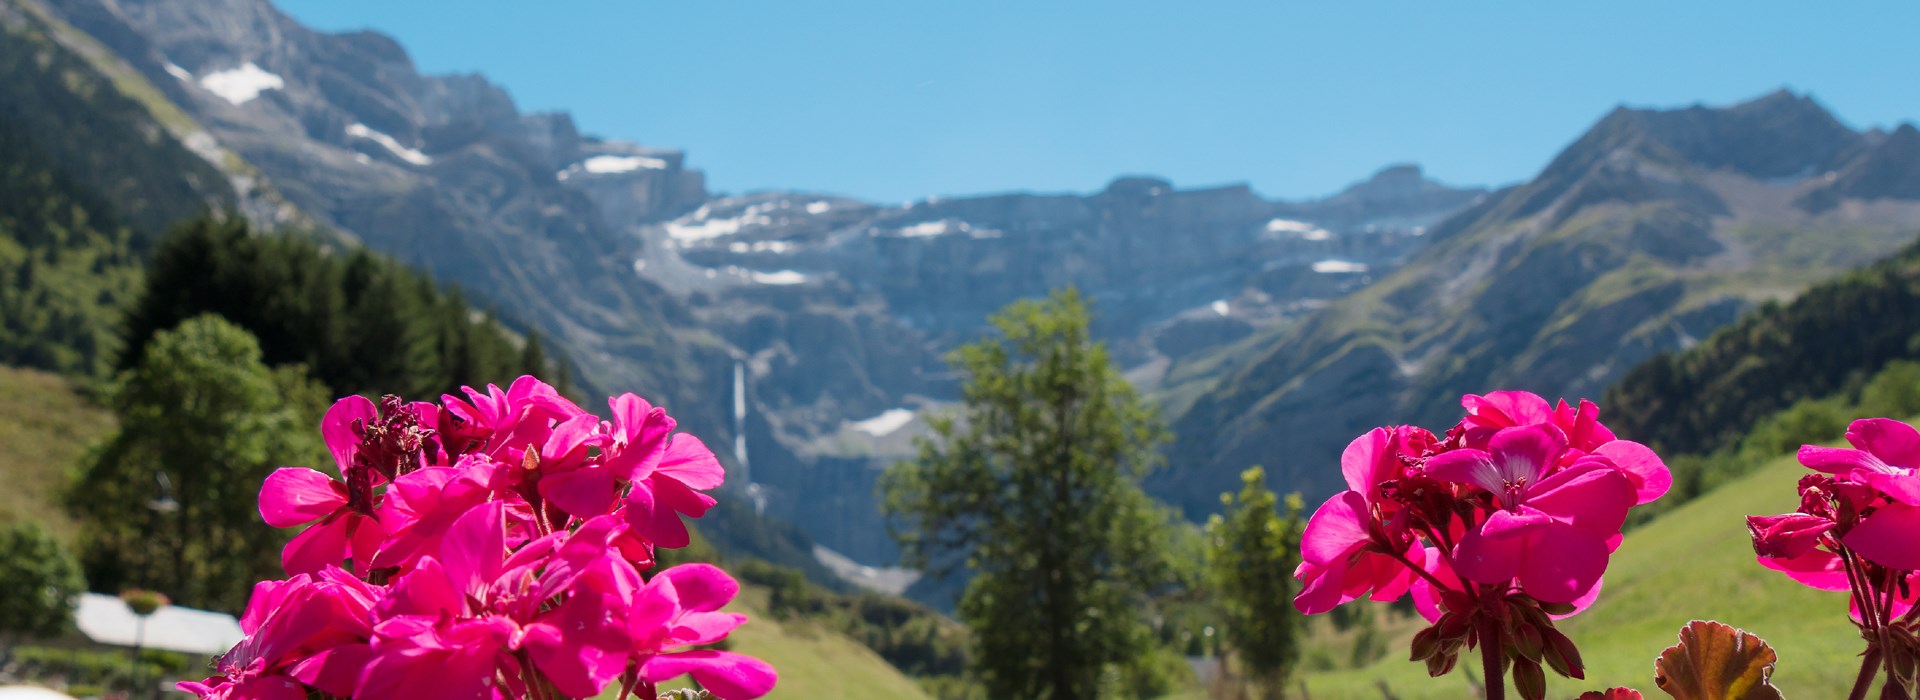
45, 425
1694, 563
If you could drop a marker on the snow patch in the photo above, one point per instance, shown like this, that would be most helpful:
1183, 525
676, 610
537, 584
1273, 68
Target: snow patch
410, 155
817, 208
603, 165
1220, 307
700, 225
942, 227
176, 71
1338, 267
775, 247
885, 423
241, 85
783, 277
1302, 229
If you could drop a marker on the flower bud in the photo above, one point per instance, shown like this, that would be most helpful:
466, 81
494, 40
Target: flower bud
1529, 679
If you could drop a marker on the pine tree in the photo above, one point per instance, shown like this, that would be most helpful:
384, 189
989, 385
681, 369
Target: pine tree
1035, 490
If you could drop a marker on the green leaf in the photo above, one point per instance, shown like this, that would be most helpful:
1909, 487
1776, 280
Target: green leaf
1717, 662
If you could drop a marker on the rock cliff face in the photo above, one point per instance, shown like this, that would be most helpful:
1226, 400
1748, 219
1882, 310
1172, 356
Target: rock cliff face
1650, 231
841, 309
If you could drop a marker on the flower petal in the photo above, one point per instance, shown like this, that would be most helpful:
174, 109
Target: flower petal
1834, 460
727, 675
1467, 466
1525, 453
1335, 529
1649, 474
701, 587
337, 427
1566, 562
1887, 537
1587, 496
689, 462
297, 495
321, 545
1894, 442
1484, 559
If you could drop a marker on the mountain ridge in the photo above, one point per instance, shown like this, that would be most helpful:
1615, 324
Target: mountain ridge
1647, 232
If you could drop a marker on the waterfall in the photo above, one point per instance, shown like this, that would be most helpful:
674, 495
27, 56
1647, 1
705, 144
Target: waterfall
740, 419
755, 494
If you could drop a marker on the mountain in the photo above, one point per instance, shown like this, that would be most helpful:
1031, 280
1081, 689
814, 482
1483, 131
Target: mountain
1647, 233
833, 312
441, 172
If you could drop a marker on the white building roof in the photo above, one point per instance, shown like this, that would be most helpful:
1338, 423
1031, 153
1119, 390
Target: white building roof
107, 620
25, 692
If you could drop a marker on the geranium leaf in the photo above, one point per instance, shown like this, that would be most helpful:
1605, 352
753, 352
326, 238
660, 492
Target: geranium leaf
1717, 662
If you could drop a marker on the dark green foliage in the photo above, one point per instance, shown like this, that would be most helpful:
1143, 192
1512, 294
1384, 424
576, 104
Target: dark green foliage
359, 322
1035, 490
1252, 550
1833, 335
202, 413
67, 269
80, 669
1893, 392
39, 581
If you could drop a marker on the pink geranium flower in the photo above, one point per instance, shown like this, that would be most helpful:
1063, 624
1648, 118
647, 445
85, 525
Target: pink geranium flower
342, 512
499, 545
1885, 457
1346, 552
668, 471
1552, 531
680, 608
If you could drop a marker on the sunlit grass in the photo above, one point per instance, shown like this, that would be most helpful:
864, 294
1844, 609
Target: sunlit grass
45, 427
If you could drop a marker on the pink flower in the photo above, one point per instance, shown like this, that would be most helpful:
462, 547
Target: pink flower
678, 609
1886, 457
294, 496
288, 624
508, 532
502, 604
1348, 546
1580, 429
1341, 560
496, 420
668, 473
1553, 531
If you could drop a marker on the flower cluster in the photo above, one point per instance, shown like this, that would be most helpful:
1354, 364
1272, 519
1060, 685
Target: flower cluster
1855, 531
489, 547
1497, 528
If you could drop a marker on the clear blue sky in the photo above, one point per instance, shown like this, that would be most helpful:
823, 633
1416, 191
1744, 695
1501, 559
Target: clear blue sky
897, 99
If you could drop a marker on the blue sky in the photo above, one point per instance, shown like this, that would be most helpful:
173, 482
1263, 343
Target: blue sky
898, 99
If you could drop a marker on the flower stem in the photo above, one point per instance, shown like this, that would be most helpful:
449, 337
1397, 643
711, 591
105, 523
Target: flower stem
1492, 665
1869, 667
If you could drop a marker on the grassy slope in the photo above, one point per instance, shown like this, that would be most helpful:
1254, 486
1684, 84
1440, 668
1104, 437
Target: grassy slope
45, 426
1696, 562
